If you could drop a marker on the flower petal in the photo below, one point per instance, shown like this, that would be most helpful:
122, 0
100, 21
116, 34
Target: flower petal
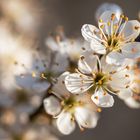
88, 63
131, 30
102, 99
115, 58
77, 83
52, 105
61, 83
131, 50
125, 93
106, 18
97, 47
131, 102
86, 118
90, 32
65, 123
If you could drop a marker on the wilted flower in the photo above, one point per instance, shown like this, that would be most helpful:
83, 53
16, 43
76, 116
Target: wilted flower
99, 78
114, 38
68, 108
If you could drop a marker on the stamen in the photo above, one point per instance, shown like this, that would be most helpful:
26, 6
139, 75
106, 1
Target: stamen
100, 20
136, 27
96, 97
126, 20
43, 76
99, 110
113, 16
101, 29
33, 74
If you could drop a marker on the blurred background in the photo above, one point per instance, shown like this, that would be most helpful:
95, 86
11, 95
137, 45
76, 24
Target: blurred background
24, 26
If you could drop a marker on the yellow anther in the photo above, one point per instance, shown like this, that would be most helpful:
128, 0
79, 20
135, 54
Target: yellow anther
127, 86
108, 23
43, 76
113, 16
115, 26
100, 20
127, 67
121, 16
96, 97
105, 93
102, 26
100, 82
136, 27
82, 57
126, 18
110, 78
126, 75
99, 110
33, 74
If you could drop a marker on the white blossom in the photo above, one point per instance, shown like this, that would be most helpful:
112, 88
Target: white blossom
68, 108
100, 78
114, 38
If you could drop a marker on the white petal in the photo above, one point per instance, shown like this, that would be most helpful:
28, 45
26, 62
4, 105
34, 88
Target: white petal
102, 99
86, 118
106, 18
60, 63
41, 86
77, 83
132, 103
52, 44
131, 30
88, 32
97, 47
115, 58
121, 79
125, 93
59, 87
52, 105
131, 50
88, 63
65, 123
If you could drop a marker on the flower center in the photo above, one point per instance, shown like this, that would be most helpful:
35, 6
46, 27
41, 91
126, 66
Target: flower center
70, 103
113, 43
100, 79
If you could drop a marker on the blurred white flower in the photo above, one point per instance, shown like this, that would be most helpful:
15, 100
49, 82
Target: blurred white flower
69, 47
134, 100
22, 13
4, 135
115, 37
100, 78
38, 133
114, 8
68, 108
13, 50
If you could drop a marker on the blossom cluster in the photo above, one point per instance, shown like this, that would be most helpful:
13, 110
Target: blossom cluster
106, 67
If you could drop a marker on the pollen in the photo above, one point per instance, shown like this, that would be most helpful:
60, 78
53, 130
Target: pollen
136, 27
33, 74
113, 16
126, 18
100, 20
82, 57
99, 110
96, 97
